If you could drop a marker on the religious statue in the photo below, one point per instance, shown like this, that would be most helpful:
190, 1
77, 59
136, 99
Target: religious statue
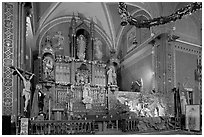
26, 89
136, 86
161, 110
86, 98
70, 102
41, 97
111, 76
48, 68
183, 103
81, 47
98, 46
38, 101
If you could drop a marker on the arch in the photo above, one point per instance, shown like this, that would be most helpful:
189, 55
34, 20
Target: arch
84, 8
122, 28
48, 12
110, 22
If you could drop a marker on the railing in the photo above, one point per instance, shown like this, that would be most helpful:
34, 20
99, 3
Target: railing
61, 127
129, 125
145, 124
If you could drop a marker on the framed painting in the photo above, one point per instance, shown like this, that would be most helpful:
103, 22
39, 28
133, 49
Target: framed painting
193, 117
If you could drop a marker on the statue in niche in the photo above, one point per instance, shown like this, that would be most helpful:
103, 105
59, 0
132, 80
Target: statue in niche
98, 46
81, 47
112, 76
82, 74
48, 66
58, 40
183, 103
86, 98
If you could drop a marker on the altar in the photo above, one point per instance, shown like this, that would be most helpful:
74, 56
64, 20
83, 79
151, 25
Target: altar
75, 83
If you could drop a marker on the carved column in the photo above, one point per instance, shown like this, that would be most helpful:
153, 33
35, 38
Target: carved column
92, 39
73, 36
169, 75
73, 48
8, 57
13, 54
92, 53
164, 81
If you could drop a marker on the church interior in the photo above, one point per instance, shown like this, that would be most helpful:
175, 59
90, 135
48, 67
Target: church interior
101, 68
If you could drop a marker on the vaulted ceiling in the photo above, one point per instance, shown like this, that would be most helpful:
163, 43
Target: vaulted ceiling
105, 14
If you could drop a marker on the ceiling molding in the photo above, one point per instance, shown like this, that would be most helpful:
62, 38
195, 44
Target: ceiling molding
188, 43
47, 13
135, 5
110, 22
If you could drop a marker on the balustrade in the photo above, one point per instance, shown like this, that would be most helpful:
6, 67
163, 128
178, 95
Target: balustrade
145, 124
129, 125
61, 127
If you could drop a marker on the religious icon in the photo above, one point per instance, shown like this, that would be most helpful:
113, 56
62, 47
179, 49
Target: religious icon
111, 76
27, 87
81, 47
48, 66
86, 98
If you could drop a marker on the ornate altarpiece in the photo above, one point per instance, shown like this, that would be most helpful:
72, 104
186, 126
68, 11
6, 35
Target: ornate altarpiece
75, 84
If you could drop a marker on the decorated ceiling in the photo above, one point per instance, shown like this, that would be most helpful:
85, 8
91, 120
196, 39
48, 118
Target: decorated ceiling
107, 18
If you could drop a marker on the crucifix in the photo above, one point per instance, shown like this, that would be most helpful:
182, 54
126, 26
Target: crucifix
27, 85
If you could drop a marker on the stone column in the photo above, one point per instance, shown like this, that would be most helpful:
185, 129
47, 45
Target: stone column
164, 63
73, 48
8, 28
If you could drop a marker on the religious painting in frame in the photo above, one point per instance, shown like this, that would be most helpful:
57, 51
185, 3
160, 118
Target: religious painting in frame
193, 117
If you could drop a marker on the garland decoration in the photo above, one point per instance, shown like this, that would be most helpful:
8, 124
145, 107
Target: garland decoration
67, 59
127, 18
